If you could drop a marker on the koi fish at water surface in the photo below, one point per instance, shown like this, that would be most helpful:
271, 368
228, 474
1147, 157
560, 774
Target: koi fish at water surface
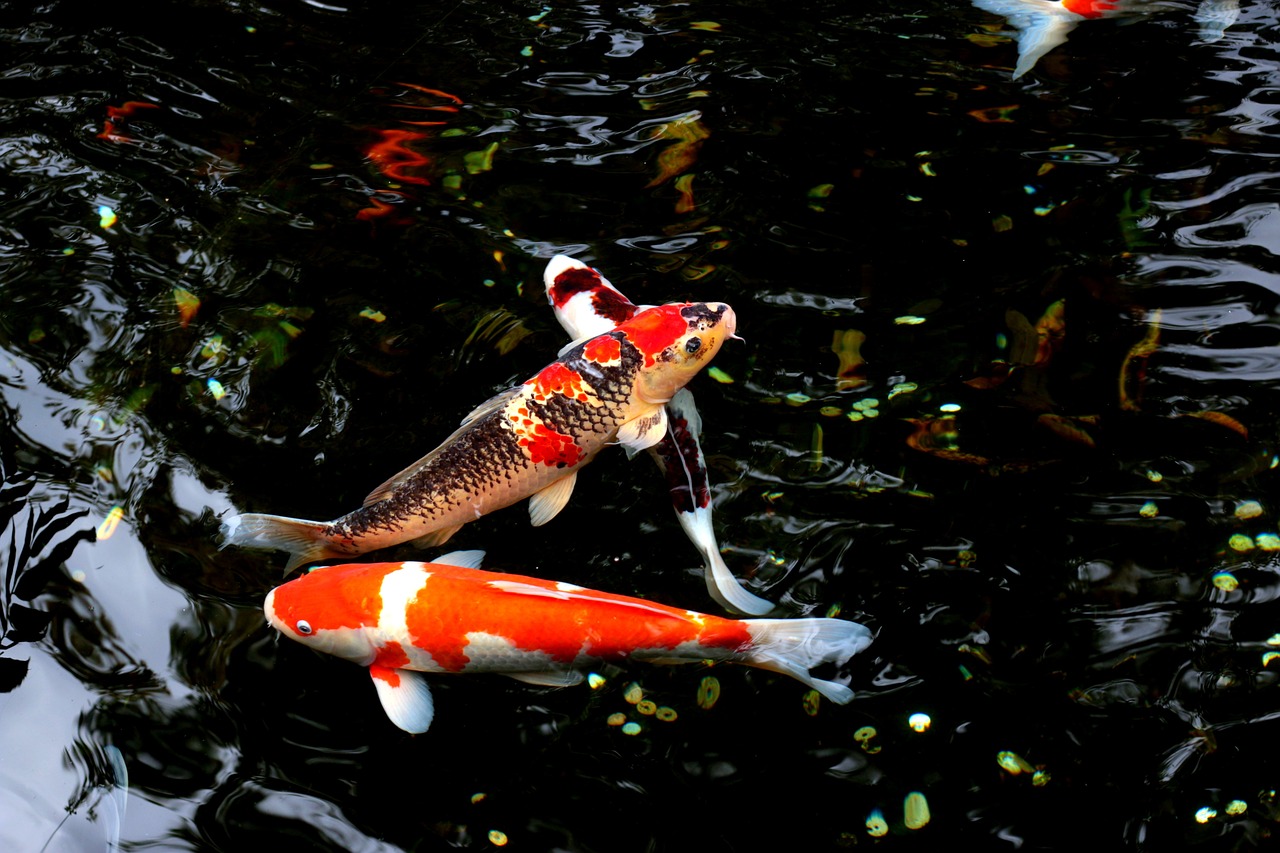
527, 442
1043, 25
404, 619
586, 303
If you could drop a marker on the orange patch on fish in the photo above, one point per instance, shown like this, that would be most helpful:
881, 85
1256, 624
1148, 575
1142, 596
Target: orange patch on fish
603, 350
654, 330
453, 604
354, 599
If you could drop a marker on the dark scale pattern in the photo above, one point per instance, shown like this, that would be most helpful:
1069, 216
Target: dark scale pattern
483, 456
487, 457
611, 384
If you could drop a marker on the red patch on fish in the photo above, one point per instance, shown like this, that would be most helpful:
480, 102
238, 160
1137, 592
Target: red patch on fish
612, 305
654, 330
605, 349
455, 602
556, 378
116, 119
392, 655
572, 282
1089, 8
548, 447
390, 675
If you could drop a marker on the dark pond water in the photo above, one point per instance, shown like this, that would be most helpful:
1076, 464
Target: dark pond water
1008, 396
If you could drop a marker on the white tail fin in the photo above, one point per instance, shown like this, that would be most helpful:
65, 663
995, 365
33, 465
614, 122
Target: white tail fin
301, 538
795, 646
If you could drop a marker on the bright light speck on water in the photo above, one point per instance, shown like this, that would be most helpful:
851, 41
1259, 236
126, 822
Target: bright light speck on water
919, 722
1248, 509
915, 811
708, 692
1225, 581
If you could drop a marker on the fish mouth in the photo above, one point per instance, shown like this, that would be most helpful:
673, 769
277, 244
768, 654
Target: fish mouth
269, 610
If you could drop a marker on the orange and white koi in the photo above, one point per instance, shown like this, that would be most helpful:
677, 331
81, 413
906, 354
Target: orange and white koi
527, 442
404, 619
1044, 24
586, 303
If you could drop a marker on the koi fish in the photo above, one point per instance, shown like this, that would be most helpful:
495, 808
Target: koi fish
586, 303
404, 619
1045, 24
527, 442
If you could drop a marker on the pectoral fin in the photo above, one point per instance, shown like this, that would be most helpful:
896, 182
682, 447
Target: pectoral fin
436, 537
554, 678
644, 431
462, 559
405, 696
546, 504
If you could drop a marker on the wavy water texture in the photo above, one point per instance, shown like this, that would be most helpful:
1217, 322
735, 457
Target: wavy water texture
1007, 396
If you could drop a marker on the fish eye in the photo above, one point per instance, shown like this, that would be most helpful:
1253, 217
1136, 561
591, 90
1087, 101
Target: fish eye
303, 626
692, 345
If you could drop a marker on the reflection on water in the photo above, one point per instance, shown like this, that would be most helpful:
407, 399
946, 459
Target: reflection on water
1007, 396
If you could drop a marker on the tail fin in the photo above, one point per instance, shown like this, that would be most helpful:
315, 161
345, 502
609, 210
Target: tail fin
301, 538
794, 646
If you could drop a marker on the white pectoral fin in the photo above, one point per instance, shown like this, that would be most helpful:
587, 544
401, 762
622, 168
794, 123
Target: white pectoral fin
405, 696
552, 678
643, 432
546, 504
461, 559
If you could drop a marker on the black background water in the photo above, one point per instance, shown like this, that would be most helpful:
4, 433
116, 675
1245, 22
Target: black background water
1072, 560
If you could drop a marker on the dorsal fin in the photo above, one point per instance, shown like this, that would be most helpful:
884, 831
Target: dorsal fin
493, 404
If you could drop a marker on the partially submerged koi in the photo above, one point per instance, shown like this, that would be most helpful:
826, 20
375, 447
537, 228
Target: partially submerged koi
586, 303
527, 442
1042, 25
404, 619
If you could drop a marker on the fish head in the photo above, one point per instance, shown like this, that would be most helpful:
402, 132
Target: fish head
332, 609
677, 341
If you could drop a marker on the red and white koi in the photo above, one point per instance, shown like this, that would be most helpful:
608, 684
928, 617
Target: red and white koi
527, 442
1044, 24
404, 619
586, 303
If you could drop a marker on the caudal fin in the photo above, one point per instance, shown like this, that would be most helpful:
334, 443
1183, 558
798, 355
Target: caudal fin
795, 646
304, 540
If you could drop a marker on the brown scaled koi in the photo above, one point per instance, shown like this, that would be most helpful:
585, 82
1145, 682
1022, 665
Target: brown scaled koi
527, 442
